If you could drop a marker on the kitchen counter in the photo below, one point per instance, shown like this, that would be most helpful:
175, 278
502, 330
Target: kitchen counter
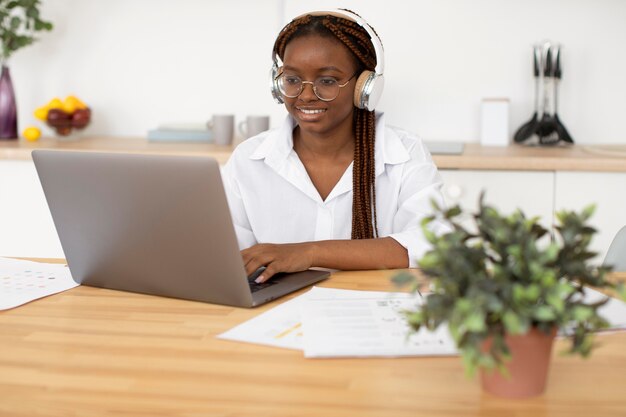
598, 158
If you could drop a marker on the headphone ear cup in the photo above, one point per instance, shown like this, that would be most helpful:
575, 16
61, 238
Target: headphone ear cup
368, 89
276, 95
358, 88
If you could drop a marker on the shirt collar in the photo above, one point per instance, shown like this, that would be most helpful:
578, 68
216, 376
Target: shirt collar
278, 145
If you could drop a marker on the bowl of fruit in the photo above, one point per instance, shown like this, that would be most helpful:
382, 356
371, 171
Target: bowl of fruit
64, 116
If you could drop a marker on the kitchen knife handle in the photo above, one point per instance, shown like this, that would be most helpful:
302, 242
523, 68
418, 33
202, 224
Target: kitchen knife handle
557, 62
536, 59
547, 69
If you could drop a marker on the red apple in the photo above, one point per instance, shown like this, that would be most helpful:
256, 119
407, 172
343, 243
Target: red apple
58, 118
81, 118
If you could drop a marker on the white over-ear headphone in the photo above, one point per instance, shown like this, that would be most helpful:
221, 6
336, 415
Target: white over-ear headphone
369, 84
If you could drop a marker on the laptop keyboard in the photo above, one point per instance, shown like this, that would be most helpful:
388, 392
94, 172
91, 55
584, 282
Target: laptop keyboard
254, 287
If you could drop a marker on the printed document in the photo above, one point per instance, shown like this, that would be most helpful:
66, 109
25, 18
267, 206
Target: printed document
24, 281
343, 323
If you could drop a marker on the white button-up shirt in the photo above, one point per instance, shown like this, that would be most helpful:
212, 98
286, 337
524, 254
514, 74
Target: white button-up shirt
273, 200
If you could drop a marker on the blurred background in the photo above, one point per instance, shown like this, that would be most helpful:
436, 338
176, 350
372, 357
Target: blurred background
141, 63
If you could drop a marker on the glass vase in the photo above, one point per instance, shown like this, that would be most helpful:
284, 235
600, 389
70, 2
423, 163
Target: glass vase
8, 108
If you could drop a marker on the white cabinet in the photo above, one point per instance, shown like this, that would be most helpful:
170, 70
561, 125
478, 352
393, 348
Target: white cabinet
541, 193
26, 227
576, 190
532, 192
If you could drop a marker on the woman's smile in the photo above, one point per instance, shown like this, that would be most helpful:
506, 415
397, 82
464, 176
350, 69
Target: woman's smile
310, 114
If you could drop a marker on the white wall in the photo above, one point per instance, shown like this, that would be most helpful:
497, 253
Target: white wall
139, 63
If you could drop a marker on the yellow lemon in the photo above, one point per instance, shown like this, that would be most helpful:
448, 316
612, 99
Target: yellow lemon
69, 106
55, 103
31, 133
41, 113
75, 102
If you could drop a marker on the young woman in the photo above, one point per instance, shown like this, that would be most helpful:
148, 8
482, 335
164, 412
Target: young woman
334, 187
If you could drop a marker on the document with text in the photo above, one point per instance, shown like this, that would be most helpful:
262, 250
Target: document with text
346, 323
24, 281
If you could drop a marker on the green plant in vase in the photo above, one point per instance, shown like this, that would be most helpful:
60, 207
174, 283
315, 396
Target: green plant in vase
500, 286
19, 21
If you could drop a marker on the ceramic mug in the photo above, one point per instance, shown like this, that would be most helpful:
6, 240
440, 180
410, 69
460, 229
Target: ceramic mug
253, 125
223, 127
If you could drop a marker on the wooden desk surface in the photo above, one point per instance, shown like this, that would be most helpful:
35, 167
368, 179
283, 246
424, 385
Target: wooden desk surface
96, 352
601, 158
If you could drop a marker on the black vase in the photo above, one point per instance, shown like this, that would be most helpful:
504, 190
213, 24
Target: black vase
8, 109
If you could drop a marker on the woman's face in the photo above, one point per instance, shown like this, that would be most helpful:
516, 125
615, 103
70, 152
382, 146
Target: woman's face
310, 57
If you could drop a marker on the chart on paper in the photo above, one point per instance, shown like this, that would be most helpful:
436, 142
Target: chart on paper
25, 281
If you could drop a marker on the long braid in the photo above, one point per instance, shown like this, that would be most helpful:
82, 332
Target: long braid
356, 39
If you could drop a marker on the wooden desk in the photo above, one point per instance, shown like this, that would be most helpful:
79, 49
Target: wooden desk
95, 352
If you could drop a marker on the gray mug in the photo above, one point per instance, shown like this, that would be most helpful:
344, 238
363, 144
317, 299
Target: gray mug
223, 127
253, 125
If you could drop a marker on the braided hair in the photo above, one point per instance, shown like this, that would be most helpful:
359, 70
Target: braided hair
358, 42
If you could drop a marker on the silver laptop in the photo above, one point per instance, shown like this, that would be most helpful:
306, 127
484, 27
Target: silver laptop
152, 224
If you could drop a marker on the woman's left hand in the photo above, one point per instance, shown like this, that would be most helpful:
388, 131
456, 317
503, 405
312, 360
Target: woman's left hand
288, 257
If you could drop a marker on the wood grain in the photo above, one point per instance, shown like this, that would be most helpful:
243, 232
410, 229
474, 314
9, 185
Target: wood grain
97, 352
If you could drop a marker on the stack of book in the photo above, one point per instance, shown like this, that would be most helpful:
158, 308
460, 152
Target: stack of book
181, 132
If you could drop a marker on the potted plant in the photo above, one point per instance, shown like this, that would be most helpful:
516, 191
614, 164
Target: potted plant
19, 20
504, 293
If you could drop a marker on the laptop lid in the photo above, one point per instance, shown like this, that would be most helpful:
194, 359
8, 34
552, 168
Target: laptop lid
152, 224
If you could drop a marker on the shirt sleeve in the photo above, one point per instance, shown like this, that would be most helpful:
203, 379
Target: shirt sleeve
421, 184
245, 236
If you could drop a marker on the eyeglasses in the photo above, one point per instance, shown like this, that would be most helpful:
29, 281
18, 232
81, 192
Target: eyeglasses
325, 88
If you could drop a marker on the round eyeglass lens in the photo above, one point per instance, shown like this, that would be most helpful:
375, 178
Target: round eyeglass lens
290, 85
325, 88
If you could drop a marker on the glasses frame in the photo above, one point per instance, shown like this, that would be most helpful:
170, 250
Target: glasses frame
303, 82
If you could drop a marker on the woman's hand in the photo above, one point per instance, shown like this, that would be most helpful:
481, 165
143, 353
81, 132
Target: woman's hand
288, 257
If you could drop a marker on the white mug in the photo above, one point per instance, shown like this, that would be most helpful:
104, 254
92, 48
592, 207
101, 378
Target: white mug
253, 125
223, 126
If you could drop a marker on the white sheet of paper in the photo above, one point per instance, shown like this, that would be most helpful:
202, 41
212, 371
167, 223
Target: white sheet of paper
279, 326
25, 281
347, 323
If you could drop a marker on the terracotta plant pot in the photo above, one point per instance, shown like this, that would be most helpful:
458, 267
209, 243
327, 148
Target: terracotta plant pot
528, 367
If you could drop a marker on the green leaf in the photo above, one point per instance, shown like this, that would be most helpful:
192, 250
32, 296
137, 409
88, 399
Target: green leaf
582, 313
15, 23
588, 211
620, 288
475, 322
533, 292
544, 313
513, 324
32, 12
556, 302
470, 357
429, 260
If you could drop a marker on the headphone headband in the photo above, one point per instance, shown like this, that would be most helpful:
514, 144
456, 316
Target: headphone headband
345, 14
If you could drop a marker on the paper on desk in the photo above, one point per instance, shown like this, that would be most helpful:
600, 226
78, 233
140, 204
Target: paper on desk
344, 323
279, 326
25, 281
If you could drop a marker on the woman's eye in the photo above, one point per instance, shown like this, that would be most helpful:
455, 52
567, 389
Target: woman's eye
291, 80
326, 81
